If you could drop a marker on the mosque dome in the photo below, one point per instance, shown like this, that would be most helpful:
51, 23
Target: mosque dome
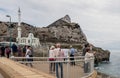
30, 35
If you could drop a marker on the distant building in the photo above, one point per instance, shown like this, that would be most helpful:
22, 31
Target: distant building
30, 40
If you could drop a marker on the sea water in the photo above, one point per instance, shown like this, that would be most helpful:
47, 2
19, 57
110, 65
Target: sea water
112, 68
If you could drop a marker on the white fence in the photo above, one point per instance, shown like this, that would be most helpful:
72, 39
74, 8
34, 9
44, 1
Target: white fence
69, 71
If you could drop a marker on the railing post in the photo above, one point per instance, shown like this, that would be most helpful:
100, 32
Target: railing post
68, 65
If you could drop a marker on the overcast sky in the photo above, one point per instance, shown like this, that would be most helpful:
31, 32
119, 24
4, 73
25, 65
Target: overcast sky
99, 19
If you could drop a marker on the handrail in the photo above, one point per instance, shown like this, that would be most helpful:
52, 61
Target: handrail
45, 60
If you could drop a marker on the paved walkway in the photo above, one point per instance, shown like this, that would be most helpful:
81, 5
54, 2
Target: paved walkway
71, 72
11, 69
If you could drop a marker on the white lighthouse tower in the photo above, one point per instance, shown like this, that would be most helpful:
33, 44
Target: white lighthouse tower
19, 26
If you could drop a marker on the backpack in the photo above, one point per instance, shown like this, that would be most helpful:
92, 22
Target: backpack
72, 51
8, 50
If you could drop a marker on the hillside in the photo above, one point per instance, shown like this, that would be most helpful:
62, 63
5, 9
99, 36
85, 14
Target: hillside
62, 30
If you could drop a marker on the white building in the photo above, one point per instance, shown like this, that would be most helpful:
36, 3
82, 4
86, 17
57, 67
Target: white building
30, 40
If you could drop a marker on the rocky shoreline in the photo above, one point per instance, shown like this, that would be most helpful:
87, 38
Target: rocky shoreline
103, 75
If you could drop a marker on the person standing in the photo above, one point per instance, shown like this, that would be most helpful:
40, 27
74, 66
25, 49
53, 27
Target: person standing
66, 54
19, 51
84, 49
14, 50
59, 54
29, 55
24, 50
2, 51
52, 58
72, 53
88, 56
7, 51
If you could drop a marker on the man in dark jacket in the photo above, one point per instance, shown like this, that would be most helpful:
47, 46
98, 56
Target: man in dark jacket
84, 49
14, 50
2, 51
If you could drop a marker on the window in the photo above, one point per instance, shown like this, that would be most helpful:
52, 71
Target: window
28, 41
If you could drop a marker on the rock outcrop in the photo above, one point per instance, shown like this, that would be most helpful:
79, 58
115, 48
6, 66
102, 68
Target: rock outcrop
62, 30
101, 55
65, 30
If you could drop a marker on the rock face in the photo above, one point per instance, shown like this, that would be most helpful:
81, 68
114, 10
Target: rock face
6, 29
62, 30
101, 55
67, 31
3, 28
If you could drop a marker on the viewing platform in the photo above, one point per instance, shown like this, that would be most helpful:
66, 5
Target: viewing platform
40, 69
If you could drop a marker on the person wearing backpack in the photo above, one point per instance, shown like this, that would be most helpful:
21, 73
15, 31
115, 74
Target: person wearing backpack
59, 54
72, 52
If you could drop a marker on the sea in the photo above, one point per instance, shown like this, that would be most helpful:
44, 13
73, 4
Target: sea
113, 67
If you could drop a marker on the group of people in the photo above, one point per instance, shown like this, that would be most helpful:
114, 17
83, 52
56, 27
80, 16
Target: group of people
89, 54
5, 51
14, 50
58, 55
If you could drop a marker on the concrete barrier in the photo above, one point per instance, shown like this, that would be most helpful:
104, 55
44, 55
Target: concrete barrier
11, 69
93, 75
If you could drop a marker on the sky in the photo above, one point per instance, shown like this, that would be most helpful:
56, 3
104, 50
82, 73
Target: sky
99, 19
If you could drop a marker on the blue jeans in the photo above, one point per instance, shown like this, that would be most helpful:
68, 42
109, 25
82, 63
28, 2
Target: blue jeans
61, 70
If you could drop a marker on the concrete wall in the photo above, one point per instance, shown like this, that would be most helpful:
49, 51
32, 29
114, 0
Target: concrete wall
11, 69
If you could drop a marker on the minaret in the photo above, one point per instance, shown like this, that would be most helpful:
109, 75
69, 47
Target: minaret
19, 23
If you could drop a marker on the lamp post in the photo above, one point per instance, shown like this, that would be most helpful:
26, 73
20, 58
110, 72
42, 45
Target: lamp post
9, 27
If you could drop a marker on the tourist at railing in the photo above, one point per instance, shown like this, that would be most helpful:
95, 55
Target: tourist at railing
59, 54
19, 51
29, 54
2, 49
87, 66
84, 49
52, 58
24, 50
72, 53
7, 51
14, 50
66, 54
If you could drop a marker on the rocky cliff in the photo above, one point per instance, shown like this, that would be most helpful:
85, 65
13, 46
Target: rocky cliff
62, 30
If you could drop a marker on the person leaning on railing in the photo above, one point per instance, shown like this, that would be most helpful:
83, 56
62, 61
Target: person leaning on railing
72, 53
88, 56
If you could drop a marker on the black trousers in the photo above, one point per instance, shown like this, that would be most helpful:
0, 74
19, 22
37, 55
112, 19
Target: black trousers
72, 59
30, 59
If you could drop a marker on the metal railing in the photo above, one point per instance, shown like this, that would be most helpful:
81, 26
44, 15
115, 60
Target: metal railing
69, 71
